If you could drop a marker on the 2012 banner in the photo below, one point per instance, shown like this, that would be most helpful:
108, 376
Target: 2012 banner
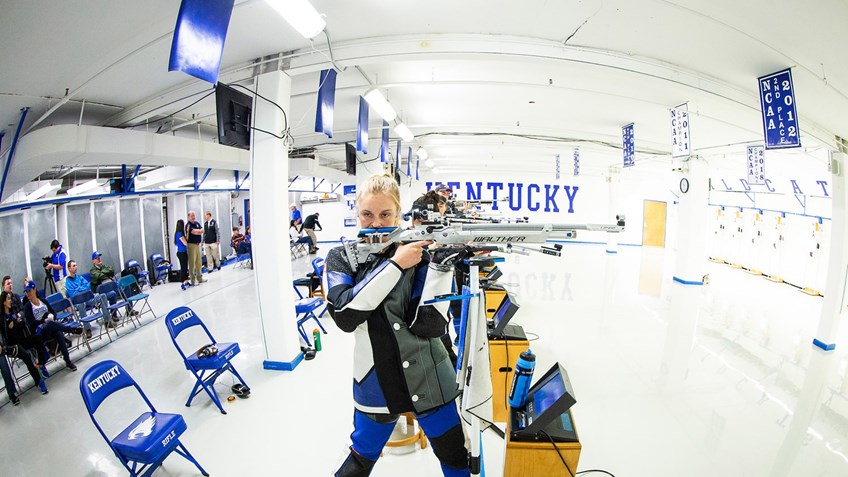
780, 118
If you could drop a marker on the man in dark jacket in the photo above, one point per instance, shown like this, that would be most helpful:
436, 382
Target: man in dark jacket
212, 242
309, 225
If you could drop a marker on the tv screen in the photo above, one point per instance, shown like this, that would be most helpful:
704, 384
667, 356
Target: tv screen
503, 314
234, 110
350, 158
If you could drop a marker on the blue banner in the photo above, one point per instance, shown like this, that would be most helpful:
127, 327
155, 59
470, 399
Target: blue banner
628, 145
416, 168
199, 38
409, 163
362, 127
777, 102
397, 157
384, 146
326, 102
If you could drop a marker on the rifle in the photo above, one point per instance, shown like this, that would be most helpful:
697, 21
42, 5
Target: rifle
510, 238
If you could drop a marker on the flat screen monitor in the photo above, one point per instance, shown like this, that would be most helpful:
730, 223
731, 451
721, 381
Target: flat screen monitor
547, 401
503, 314
350, 158
234, 109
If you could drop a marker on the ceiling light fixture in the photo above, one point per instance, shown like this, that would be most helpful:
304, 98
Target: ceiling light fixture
41, 192
377, 101
301, 15
429, 163
403, 131
84, 187
422, 154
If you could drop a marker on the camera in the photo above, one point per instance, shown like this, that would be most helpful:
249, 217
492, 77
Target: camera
46, 261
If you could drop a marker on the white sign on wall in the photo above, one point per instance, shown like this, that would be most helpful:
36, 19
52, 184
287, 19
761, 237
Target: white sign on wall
756, 165
680, 138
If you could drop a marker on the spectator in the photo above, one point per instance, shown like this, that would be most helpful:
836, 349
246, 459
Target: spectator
77, 284
236, 239
295, 215
295, 237
212, 242
17, 299
38, 317
194, 232
309, 225
182, 251
99, 272
57, 266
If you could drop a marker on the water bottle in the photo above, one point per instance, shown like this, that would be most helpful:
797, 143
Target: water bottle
316, 338
521, 380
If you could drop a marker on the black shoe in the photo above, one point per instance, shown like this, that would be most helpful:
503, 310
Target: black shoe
71, 365
88, 334
77, 331
16, 400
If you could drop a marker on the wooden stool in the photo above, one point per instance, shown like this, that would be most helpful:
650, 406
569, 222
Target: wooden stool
416, 436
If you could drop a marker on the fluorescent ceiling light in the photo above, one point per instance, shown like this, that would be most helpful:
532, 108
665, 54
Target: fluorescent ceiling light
377, 101
429, 163
404, 132
85, 186
41, 192
301, 15
422, 154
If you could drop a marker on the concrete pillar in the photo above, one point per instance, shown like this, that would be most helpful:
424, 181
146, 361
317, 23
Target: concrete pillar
833, 305
692, 223
269, 175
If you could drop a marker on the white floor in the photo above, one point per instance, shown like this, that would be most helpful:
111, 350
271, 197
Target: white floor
670, 380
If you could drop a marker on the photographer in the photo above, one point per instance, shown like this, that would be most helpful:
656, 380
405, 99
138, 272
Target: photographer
57, 265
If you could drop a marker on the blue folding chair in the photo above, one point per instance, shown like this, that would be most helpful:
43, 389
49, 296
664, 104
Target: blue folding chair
305, 310
126, 284
92, 313
59, 303
144, 444
204, 369
111, 289
160, 268
142, 274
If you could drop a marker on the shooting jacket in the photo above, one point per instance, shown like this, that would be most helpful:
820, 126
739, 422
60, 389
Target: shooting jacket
394, 369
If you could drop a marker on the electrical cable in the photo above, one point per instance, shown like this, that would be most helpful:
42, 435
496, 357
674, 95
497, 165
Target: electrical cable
533, 334
210, 93
286, 136
542, 431
595, 470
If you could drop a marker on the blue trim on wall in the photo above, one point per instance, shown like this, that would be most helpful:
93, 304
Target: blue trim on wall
282, 365
687, 282
822, 345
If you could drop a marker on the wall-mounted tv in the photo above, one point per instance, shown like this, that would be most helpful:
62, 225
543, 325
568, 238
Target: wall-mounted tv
234, 109
350, 158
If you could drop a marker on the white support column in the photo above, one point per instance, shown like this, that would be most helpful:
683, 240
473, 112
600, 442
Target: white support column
692, 222
269, 174
833, 305
613, 184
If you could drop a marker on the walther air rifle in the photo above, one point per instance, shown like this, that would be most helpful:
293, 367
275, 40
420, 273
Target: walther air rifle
507, 237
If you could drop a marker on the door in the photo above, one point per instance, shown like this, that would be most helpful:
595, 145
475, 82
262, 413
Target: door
653, 225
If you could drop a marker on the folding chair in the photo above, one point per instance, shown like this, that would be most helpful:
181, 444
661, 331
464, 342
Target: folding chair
305, 310
126, 283
59, 303
145, 443
204, 369
313, 281
111, 288
92, 313
160, 268
143, 275
244, 261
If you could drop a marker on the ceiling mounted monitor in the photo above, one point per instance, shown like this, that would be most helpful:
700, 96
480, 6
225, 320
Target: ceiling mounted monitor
234, 110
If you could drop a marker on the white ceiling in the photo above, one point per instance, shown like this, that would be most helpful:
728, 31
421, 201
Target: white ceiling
462, 75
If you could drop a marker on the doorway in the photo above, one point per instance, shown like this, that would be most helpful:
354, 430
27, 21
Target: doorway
653, 224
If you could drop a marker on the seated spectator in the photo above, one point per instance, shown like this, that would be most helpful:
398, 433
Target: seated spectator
236, 239
11, 352
75, 284
99, 272
102, 273
38, 317
14, 332
295, 236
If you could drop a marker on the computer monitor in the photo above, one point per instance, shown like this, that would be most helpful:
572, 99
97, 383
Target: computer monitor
350, 158
234, 110
503, 314
547, 401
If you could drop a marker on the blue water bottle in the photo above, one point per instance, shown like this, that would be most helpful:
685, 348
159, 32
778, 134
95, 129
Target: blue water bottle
521, 380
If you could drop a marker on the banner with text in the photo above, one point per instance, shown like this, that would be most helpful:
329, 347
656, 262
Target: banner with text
756, 165
777, 102
576, 161
628, 145
680, 131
